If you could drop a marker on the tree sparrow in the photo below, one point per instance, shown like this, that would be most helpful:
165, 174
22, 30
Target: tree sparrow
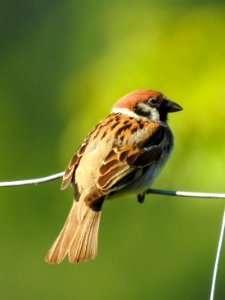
122, 155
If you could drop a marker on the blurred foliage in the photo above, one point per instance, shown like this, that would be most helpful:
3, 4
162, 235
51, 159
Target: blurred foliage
63, 64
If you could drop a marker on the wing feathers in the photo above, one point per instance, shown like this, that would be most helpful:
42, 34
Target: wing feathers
123, 162
70, 171
136, 145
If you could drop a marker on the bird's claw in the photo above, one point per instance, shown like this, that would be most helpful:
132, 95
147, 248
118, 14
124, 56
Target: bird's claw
141, 198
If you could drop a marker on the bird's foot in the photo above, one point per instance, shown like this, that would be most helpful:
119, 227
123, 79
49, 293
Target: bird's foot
141, 198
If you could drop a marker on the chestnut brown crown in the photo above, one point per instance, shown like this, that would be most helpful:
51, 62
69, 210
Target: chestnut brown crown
147, 103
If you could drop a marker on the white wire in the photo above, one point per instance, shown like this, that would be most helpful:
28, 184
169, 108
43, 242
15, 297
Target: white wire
31, 181
36, 181
218, 254
150, 191
186, 194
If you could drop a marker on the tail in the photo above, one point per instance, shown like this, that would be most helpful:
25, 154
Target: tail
79, 236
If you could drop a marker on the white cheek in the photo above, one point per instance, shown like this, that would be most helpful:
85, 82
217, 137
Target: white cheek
144, 107
154, 115
153, 112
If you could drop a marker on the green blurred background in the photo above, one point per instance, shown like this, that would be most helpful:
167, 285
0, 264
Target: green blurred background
62, 65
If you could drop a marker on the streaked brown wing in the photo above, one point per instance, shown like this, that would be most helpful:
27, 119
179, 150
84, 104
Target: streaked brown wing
125, 162
73, 164
71, 168
136, 144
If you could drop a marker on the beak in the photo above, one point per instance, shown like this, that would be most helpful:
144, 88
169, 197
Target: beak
172, 106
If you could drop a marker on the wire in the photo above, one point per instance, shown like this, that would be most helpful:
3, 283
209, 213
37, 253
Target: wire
218, 254
36, 181
31, 181
186, 194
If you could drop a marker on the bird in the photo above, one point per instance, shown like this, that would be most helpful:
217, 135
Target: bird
121, 156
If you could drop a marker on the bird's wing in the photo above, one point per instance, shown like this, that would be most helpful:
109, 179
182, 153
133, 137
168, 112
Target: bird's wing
70, 171
135, 144
71, 168
126, 161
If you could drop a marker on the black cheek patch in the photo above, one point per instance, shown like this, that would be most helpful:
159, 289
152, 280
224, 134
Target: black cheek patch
141, 112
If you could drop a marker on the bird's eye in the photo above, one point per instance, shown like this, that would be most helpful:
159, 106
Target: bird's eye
153, 102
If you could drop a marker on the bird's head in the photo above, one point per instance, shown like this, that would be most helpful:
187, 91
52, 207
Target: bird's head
145, 103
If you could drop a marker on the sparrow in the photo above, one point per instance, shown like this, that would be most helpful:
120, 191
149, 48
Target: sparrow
122, 155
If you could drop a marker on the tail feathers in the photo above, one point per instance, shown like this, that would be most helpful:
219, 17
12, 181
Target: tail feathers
78, 237
84, 245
